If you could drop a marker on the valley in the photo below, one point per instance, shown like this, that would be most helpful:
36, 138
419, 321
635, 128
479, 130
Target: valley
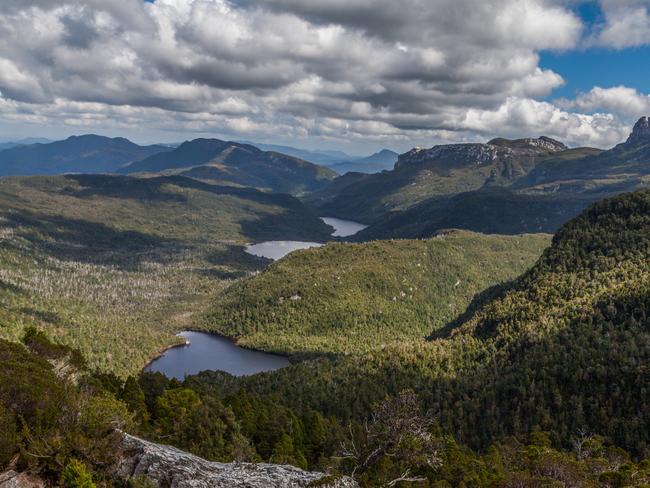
297, 323
115, 266
324, 244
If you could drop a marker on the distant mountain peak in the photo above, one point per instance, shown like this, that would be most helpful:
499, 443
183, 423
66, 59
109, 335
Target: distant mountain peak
641, 130
543, 142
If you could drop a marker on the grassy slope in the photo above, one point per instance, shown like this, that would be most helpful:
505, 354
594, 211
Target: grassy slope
356, 297
565, 348
114, 265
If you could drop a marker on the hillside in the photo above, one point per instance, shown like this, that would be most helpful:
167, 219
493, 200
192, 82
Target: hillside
242, 164
563, 349
323, 157
77, 154
489, 210
553, 191
446, 170
623, 168
113, 265
356, 297
383, 160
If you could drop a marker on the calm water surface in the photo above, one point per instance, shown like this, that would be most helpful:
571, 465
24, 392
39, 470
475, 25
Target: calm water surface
343, 228
212, 352
278, 249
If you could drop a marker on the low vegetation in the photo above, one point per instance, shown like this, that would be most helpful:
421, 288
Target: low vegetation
344, 298
114, 266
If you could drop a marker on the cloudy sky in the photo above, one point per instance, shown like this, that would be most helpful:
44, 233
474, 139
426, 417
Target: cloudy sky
351, 74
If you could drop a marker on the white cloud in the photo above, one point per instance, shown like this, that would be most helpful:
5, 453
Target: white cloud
622, 100
543, 118
409, 72
627, 24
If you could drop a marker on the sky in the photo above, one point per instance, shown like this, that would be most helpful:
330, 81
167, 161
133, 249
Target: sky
354, 75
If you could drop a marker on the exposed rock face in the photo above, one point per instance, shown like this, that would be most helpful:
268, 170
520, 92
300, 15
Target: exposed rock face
641, 130
481, 154
169, 467
543, 144
11, 479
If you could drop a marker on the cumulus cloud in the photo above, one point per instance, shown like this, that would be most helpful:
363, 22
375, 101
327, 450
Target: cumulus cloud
626, 24
622, 100
400, 73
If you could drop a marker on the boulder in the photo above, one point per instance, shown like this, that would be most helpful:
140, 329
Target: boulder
168, 467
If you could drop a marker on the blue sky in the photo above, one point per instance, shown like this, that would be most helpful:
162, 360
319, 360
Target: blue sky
584, 68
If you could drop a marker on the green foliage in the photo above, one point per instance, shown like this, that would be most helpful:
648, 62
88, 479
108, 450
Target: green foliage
203, 426
284, 452
75, 475
564, 349
8, 438
359, 297
133, 396
114, 265
51, 411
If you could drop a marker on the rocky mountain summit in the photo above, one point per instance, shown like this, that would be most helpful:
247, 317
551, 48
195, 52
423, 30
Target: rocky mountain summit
641, 131
480, 154
168, 467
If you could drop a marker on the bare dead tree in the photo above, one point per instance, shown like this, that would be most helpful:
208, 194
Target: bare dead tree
396, 430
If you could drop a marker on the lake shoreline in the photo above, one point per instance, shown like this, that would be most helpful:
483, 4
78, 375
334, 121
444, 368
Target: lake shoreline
227, 360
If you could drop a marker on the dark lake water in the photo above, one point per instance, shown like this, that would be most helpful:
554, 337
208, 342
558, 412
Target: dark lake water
212, 352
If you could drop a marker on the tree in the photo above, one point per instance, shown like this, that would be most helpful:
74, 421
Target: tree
395, 445
75, 475
284, 452
133, 396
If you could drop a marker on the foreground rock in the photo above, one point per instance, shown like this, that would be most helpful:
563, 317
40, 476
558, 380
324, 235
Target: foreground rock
11, 479
167, 466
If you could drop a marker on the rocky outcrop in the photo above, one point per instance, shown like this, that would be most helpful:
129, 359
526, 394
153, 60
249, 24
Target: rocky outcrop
641, 131
531, 144
11, 479
168, 467
481, 154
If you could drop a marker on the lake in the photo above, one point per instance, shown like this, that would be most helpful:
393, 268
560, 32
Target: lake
278, 249
213, 352
343, 228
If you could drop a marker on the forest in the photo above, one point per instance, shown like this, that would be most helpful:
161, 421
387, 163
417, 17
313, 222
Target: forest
62, 421
542, 381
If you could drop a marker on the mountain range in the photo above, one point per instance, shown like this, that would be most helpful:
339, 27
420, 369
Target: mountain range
233, 162
23, 142
76, 154
338, 161
509, 186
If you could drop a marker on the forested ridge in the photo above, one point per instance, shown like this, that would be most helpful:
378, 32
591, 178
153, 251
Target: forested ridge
564, 348
349, 298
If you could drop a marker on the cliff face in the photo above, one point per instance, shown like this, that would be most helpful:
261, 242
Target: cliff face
479, 154
641, 131
168, 467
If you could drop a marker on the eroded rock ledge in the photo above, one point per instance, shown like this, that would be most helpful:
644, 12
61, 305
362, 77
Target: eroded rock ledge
168, 467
